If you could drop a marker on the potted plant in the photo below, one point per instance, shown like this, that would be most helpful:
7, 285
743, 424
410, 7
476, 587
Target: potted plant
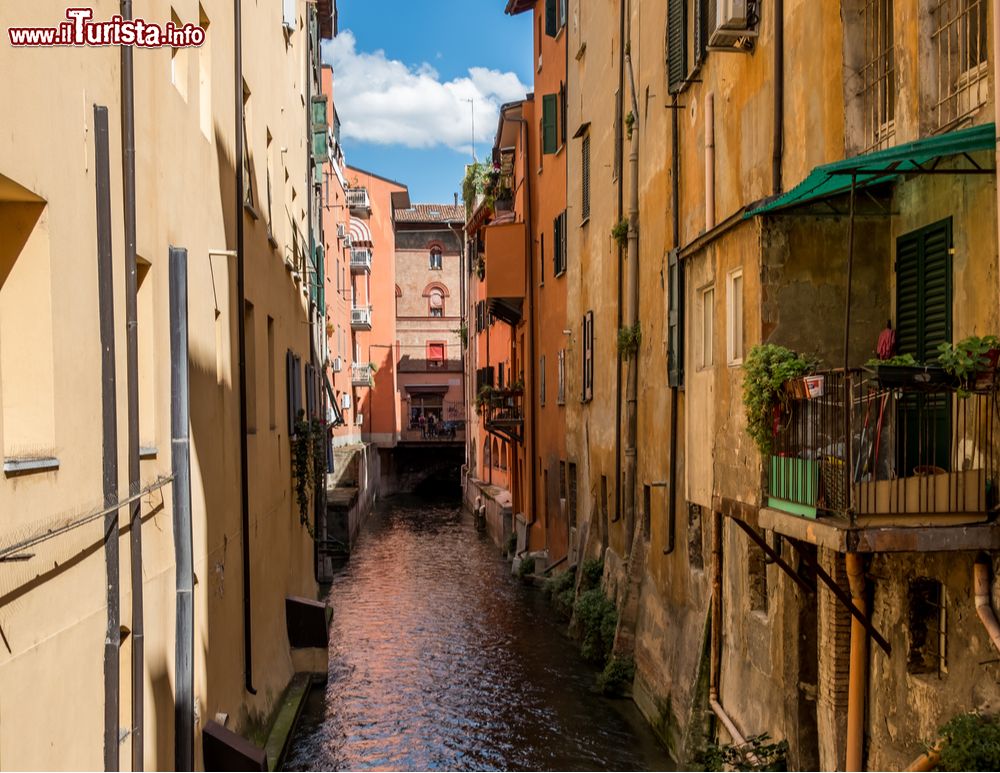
504, 201
903, 370
972, 362
766, 371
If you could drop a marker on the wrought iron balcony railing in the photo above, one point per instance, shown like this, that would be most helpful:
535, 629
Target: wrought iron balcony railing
361, 260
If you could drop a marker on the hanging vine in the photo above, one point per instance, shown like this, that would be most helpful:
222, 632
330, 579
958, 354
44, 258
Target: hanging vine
308, 470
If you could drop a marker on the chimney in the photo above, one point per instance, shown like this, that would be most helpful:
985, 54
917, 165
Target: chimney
456, 199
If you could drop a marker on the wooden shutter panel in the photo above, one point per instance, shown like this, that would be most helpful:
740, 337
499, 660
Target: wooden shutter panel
700, 30
563, 108
550, 123
676, 43
551, 18
585, 174
924, 290
556, 245
675, 321
564, 245
290, 391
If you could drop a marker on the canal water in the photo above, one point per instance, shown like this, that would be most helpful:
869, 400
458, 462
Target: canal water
439, 659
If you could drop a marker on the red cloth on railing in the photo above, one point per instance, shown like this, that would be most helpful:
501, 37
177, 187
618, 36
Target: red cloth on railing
886, 344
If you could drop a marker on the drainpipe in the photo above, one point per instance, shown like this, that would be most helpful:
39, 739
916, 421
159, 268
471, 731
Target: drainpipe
109, 426
779, 94
632, 314
983, 582
858, 674
241, 335
132, 378
710, 162
675, 216
180, 443
620, 140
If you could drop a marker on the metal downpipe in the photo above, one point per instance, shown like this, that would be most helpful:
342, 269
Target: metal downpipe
632, 315
180, 448
109, 427
241, 335
132, 379
857, 686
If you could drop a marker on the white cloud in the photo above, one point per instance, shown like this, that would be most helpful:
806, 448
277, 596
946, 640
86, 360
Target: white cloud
387, 102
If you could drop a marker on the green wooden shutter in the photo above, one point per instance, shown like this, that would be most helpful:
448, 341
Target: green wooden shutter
319, 112
676, 43
551, 18
550, 121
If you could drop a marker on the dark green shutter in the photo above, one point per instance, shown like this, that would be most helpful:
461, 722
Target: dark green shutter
320, 145
319, 112
556, 244
551, 18
700, 30
676, 43
550, 121
675, 321
923, 322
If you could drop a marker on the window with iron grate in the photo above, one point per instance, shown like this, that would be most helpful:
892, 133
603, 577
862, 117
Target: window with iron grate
959, 45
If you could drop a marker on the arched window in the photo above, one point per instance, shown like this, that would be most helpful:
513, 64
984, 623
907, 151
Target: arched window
436, 259
496, 454
399, 295
487, 456
435, 293
503, 457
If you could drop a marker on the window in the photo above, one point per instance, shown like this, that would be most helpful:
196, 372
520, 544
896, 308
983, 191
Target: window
541, 260
179, 62
205, 78
585, 174
271, 368
559, 245
541, 380
604, 504
147, 353
293, 389
562, 12
757, 577
571, 495
27, 391
707, 306
435, 355
675, 320
561, 393
563, 107
587, 393
647, 511
562, 479
487, 454
734, 317
251, 366
928, 632
702, 10
696, 553
248, 197
959, 42
436, 259
550, 123
676, 43
435, 302
879, 74
552, 15
288, 16
270, 168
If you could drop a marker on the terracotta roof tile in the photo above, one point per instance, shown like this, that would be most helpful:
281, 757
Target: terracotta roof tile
431, 213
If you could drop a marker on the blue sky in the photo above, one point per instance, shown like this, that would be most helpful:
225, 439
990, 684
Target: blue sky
404, 72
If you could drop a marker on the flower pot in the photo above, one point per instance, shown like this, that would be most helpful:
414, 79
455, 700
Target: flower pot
987, 378
929, 377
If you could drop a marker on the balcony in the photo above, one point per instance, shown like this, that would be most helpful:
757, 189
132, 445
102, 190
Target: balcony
361, 318
920, 455
503, 412
505, 269
358, 201
361, 374
361, 261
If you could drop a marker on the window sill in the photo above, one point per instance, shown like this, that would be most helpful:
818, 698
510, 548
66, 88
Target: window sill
736, 363
251, 210
559, 274
148, 452
585, 221
14, 466
272, 241
582, 51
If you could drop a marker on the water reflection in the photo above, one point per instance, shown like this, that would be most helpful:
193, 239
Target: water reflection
439, 660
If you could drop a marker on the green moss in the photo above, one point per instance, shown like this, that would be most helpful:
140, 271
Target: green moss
561, 593
769, 755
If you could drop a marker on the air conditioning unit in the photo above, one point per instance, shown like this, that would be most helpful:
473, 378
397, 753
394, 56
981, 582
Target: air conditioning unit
345, 401
338, 364
733, 25
348, 242
341, 231
361, 419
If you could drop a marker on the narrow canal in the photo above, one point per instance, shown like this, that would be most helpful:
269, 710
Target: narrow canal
440, 660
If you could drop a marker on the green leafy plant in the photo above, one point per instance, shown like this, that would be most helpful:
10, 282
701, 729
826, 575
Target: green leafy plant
596, 619
526, 567
967, 359
617, 677
560, 590
463, 335
970, 742
630, 123
481, 268
900, 360
758, 753
766, 369
474, 184
511, 544
483, 398
591, 574
620, 233
629, 340
308, 463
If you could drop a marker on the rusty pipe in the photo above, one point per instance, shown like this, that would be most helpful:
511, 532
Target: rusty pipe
857, 675
983, 582
709, 162
929, 759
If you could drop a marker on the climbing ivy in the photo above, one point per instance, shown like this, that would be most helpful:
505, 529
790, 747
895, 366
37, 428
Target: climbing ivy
765, 371
308, 464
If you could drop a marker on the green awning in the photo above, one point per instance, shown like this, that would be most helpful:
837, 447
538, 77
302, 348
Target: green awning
883, 166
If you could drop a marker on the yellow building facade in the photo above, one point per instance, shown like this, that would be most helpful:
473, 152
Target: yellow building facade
53, 609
